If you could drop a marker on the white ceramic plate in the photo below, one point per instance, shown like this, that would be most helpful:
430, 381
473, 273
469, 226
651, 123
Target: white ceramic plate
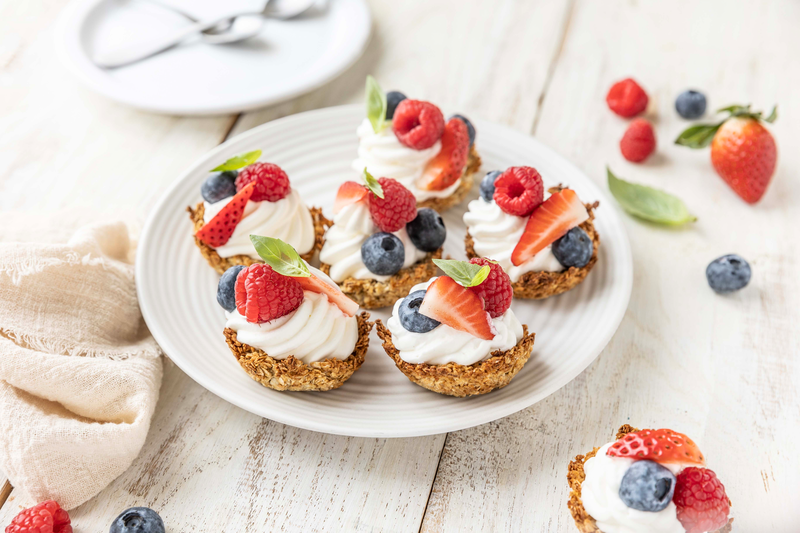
286, 60
177, 291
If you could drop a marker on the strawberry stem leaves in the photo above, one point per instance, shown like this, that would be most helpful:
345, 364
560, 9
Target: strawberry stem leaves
701, 135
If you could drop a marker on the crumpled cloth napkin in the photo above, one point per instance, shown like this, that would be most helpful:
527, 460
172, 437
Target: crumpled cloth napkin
79, 372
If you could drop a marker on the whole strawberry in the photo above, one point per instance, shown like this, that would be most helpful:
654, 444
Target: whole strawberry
743, 151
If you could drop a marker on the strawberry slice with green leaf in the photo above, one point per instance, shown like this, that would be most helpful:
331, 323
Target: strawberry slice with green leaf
444, 170
219, 229
458, 307
349, 192
548, 223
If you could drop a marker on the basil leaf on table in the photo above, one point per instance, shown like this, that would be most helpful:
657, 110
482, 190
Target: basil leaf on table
649, 203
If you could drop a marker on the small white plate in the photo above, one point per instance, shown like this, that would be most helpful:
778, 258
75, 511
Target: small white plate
177, 290
287, 59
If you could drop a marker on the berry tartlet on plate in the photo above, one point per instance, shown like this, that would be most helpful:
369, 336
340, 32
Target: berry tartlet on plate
243, 197
547, 246
379, 244
288, 324
648, 481
456, 334
410, 141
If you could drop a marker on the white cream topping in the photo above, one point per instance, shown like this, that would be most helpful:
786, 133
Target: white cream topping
384, 157
444, 344
495, 234
342, 248
288, 219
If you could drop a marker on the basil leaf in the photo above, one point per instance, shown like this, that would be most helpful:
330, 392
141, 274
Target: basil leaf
464, 273
239, 161
649, 203
280, 256
373, 184
376, 104
698, 136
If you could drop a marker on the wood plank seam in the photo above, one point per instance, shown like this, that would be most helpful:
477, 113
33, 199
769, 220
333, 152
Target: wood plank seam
433, 482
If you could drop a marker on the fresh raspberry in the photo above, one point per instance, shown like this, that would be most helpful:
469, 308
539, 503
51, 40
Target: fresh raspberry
701, 500
418, 124
638, 142
518, 191
263, 295
626, 98
495, 290
46, 517
397, 208
272, 183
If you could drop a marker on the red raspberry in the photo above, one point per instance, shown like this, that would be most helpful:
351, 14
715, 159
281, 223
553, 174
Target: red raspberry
272, 183
701, 500
397, 208
626, 98
638, 142
263, 295
418, 124
519, 190
46, 517
495, 290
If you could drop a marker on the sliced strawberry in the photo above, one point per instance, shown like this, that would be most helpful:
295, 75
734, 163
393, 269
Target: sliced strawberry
548, 223
219, 229
445, 169
659, 445
349, 192
316, 284
458, 307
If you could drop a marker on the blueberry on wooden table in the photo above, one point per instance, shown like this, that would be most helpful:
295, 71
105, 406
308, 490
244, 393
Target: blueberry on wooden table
138, 520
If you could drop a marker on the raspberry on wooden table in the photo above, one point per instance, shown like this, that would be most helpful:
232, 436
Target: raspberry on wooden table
417, 124
626, 98
397, 208
46, 517
495, 290
271, 181
263, 295
638, 142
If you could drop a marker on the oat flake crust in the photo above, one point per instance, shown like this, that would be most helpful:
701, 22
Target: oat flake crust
467, 180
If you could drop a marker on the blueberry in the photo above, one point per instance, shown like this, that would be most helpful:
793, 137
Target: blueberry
487, 185
470, 128
690, 104
728, 273
573, 249
410, 317
427, 231
226, 290
137, 520
218, 186
383, 253
393, 98
647, 486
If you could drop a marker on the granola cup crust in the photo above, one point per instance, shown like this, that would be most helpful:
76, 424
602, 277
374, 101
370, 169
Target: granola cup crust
221, 264
460, 380
575, 477
374, 294
467, 180
292, 374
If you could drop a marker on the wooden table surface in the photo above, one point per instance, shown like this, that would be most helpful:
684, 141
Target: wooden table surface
722, 369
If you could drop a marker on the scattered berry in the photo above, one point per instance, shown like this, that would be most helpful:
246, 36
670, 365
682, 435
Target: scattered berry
397, 208
383, 254
218, 186
219, 229
660, 445
470, 128
639, 141
417, 124
446, 167
744, 154
728, 273
647, 486
495, 291
226, 289
487, 185
427, 231
626, 98
690, 104
519, 190
701, 501
410, 317
574, 249
138, 520
317, 282
263, 295
551, 221
393, 98
271, 181
349, 192
45, 517
449, 303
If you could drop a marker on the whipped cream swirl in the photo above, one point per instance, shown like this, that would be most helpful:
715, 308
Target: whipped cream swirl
288, 219
495, 234
342, 248
444, 344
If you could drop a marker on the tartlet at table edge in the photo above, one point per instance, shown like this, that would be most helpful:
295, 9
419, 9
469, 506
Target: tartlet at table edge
457, 380
467, 180
221, 264
537, 285
292, 374
575, 477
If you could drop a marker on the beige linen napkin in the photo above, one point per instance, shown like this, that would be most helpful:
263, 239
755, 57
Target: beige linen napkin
79, 372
